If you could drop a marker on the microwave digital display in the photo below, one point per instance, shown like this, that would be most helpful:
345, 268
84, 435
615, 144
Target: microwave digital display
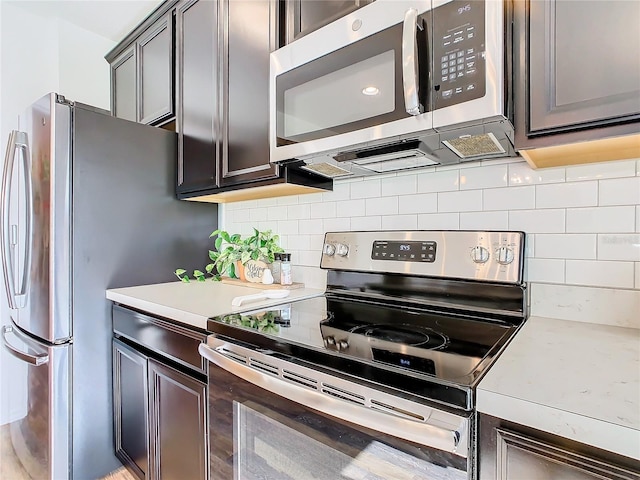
409, 251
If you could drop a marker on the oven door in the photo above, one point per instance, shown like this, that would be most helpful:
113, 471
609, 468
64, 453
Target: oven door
270, 418
361, 78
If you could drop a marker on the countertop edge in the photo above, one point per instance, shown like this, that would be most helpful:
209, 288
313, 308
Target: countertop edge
597, 433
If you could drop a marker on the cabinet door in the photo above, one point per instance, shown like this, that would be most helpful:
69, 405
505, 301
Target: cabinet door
197, 94
123, 85
251, 35
178, 422
305, 16
155, 60
581, 67
130, 407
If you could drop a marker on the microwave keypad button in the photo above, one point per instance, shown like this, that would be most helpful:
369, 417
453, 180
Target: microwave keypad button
458, 40
444, 59
452, 63
458, 90
460, 61
470, 35
461, 53
452, 56
444, 64
471, 71
470, 51
471, 87
445, 71
453, 69
445, 78
447, 93
460, 74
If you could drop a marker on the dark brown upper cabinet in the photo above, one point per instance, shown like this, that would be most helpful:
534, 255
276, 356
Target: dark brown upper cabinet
577, 79
302, 17
142, 71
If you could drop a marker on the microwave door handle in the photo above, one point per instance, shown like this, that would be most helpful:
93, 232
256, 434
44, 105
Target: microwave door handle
410, 62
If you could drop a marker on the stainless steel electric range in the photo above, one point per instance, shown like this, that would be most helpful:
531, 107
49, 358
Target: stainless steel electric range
383, 365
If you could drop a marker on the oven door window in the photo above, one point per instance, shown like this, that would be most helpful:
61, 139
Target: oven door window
256, 434
356, 87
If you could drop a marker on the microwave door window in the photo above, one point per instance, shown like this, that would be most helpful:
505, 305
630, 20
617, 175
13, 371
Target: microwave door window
353, 94
355, 87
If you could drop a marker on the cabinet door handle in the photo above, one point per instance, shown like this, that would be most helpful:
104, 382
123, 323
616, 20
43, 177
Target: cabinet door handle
410, 62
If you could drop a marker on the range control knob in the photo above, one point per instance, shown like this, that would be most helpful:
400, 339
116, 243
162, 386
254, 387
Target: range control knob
342, 249
504, 255
479, 254
342, 345
329, 249
329, 341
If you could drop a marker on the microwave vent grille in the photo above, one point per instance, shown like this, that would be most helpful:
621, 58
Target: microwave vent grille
468, 146
327, 170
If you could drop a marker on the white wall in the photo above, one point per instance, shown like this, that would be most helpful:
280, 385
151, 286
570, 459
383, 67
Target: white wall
582, 225
38, 56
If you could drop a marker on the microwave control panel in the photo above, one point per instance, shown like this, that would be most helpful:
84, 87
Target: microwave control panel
458, 52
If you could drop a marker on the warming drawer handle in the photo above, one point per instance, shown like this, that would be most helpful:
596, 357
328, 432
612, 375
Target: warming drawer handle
37, 360
411, 430
410, 63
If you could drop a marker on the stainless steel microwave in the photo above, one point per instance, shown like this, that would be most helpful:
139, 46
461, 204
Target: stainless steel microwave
394, 85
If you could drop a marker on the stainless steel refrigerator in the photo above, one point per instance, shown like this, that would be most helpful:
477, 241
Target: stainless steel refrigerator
88, 203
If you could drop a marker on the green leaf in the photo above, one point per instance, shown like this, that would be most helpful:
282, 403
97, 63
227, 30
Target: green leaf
225, 235
214, 233
245, 257
209, 268
232, 271
180, 271
218, 243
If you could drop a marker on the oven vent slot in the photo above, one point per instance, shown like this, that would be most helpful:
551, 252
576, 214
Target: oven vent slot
264, 367
300, 379
376, 405
343, 394
233, 355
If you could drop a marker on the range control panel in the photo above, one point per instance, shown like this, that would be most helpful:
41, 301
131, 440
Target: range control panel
495, 256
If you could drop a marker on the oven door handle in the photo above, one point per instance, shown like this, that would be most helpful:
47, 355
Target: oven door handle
410, 63
378, 416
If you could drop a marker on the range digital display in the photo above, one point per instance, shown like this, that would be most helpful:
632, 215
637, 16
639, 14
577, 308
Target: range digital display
410, 251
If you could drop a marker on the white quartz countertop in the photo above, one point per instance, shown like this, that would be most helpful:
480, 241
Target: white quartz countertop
577, 380
194, 302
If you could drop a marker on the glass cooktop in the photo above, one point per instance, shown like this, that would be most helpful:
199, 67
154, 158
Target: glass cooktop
444, 347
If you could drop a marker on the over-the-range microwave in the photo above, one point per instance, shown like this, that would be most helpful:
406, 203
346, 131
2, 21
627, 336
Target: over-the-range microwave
394, 85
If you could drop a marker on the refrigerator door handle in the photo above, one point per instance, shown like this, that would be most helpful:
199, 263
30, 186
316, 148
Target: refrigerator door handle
16, 140
37, 360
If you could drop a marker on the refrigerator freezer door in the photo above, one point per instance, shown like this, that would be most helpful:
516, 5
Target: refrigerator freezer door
40, 435
36, 217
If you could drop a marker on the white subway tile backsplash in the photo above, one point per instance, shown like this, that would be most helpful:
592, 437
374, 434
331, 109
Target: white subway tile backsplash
601, 219
365, 189
341, 191
582, 222
310, 226
276, 213
484, 221
580, 194
336, 224
463, 201
575, 246
298, 212
366, 223
419, 203
622, 191
538, 221
601, 273
513, 198
400, 185
350, 208
439, 181
598, 171
287, 227
310, 198
381, 206
523, 174
399, 222
323, 210
439, 221
484, 177
255, 214
545, 270
619, 247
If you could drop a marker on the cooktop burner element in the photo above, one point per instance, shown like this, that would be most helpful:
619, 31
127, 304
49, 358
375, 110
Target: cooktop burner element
430, 327
403, 334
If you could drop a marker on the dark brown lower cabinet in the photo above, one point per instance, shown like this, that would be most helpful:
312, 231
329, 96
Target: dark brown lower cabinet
159, 402
509, 451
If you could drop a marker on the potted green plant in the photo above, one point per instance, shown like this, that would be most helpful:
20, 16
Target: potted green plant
232, 252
